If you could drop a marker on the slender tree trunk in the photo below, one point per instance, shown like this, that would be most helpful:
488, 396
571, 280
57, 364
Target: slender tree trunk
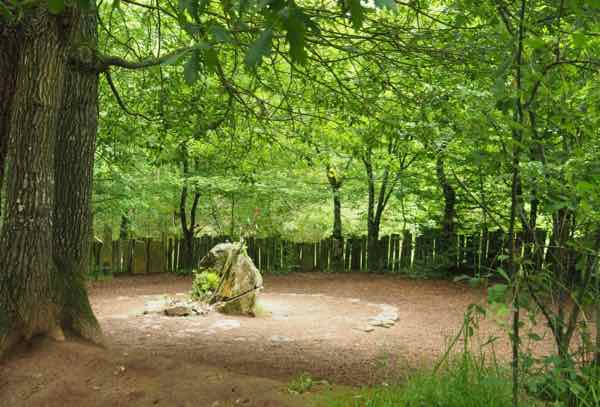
124, 228
448, 233
375, 210
337, 255
372, 226
187, 254
74, 163
373, 245
28, 301
10, 40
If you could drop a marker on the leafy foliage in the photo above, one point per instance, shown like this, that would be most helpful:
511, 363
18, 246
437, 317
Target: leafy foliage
204, 285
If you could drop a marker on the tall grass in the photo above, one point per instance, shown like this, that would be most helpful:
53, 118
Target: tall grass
466, 381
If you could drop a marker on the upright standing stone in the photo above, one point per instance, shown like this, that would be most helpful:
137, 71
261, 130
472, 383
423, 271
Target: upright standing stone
239, 282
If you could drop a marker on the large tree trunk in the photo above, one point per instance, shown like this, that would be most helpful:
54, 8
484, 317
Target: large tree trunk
28, 301
10, 41
74, 162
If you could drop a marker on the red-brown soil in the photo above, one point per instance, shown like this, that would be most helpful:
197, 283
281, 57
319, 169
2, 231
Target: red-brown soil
312, 323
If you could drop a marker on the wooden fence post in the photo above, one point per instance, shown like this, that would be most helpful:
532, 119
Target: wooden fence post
347, 253
308, 257
384, 253
106, 252
139, 256
394, 252
355, 253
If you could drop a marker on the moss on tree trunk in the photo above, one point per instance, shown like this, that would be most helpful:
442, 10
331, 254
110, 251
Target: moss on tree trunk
74, 162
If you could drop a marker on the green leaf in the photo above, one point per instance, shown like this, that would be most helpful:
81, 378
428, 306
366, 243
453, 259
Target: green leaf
219, 33
260, 48
534, 337
357, 13
172, 60
503, 273
580, 40
386, 4
497, 293
56, 6
296, 29
190, 69
210, 59
116, 4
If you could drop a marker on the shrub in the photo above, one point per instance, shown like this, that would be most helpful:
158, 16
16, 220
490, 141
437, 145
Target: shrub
204, 285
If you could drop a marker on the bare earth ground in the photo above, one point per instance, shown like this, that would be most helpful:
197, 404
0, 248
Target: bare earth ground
313, 323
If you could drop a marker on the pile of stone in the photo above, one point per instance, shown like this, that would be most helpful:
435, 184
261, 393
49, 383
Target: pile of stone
387, 318
175, 307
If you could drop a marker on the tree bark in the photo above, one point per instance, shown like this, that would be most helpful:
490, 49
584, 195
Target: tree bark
375, 210
28, 301
74, 163
448, 237
187, 254
337, 253
10, 40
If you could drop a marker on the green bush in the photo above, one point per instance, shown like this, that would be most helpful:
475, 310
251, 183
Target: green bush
204, 285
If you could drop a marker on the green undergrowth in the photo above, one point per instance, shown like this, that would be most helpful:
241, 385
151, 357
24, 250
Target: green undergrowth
98, 273
466, 381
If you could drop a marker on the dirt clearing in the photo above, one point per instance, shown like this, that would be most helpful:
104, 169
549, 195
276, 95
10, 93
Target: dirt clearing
322, 324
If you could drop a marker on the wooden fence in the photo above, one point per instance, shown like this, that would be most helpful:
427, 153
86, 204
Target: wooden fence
471, 253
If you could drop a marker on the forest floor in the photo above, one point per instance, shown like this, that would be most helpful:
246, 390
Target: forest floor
313, 323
